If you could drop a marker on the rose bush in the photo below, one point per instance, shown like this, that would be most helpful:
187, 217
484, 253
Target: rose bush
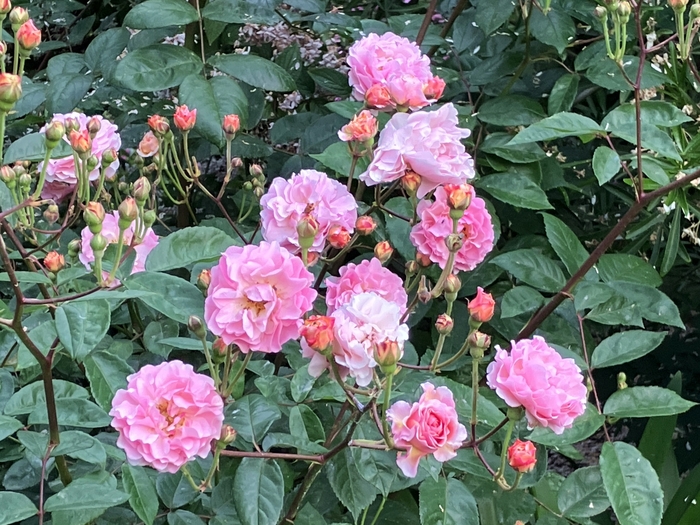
268, 263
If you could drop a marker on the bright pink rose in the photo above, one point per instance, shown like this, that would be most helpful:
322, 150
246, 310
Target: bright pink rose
536, 377
167, 416
429, 426
366, 320
110, 231
60, 173
428, 143
368, 276
309, 192
396, 64
257, 297
428, 236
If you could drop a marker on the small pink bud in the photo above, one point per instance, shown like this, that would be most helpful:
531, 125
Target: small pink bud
383, 251
482, 306
232, 123
411, 182
365, 225
444, 324
185, 118
522, 456
317, 331
54, 262
378, 97
159, 125
338, 237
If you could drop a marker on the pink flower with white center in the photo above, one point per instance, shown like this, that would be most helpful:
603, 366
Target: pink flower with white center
258, 296
60, 173
428, 236
167, 415
110, 231
308, 193
368, 276
430, 426
533, 375
428, 143
366, 320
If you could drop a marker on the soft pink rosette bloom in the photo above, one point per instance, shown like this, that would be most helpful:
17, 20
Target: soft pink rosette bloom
257, 297
396, 64
428, 143
430, 426
167, 415
534, 376
110, 231
428, 236
366, 320
60, 173
368, 276
307, 193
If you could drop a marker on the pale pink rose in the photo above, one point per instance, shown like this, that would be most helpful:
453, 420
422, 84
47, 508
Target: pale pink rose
368, 276
428, 236
311, 193
534, 376
257, 297
430, 426
428, 143
110, 231
366, 320
167, 415
394, 63
60, 173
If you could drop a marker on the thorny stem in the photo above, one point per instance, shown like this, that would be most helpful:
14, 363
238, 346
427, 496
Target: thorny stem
504, 450
387, 401
590, 374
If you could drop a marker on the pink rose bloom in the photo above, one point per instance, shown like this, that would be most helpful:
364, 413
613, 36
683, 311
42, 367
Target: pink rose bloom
309, 192
428, 236
368, 276
534, 376
110, 231
366, 320
427, 142
394, 63
257, 297
430, 426
167, 415
60, 173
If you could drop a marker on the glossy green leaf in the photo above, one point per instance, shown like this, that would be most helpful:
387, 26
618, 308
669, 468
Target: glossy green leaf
563, 94
30, 396
584, 427
623, 124
76, 497
242, 11
153, 14
252, 416
447, 502
330, 81
188, 246
606, 73
33, 147
645, 401
511, 110
142, 492
606, 164
107, 373
15, 507
672, 243
173, 297
626, 267
683, 508
653, 304
353, 491
532, 268
8, 426
556, 28
65, 92
515, 188
565, 243
582, 494
491, 15
105, 48
80, 326
557, 126
80, 445
337, 157
519, 300
256, 71
156, 67
79, 413
258, 492
624, 347
184, 517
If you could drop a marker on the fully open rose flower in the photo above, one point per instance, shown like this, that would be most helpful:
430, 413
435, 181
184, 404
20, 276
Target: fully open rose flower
60, 173
257, 297
395, 66
429, 235
310, 194
110, 231
368, 276
429, 426
366, 320
427, 143
167, 415
534, 376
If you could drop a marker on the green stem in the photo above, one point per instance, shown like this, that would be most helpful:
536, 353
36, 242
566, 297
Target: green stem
3, 116
475, 393
441, 341
353, 164
364, 515
185, 472
504, 451
606, 34
22, 59
15, 57
214, 467
100, 182
212, 370
117, 259
240, 372
387, 401
379, 511
688, 40
42, 175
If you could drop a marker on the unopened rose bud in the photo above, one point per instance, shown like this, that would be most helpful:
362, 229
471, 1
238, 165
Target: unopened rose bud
444, 324
383, 251
387, 355
411, 182
149, 217
423, 260
5, 7
123, 187
434, 88
247, 185
621, 381
258, 192
338, 237
196, 326
204, 280
478, 343
25, 181
74, 248
452, 284
8, 176
54, 133
91, 163
318, 333
10, 91
3, 48
236, 162
624, 11
18, 16
51, 214
411, 268
424, 295
454, 242
600, 12
220, 348
81, 143
93, 126
257, 183
365, 225
307, 228
231, 125
28, 38
71, 124
142, 190
362, 127
159, 125
458, 197
256, 171
228, 435
93, 216
482, 306
677, 5
378, 97
98, 243
185, 118
128, 212
694, 12
54, 262
522, 456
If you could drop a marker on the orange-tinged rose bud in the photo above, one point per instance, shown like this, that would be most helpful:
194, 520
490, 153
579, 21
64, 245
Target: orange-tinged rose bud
93, 126
228, 435
18, 16
378, 97
71, 124
28, 37
423, 260
142, 190
317, 331
383, 251
361, 128
678, 5
204, 280
3, 47
452, 284
434, 88
444, 324
5, 7
10, 91
81, 143
94, 212
338, 237
387, 354
128, 212
231, 125
458, 196
482, 306
54, 132
220, 348
159, 125
148, 146
54, 262
185, 118
411, 182
307, 228
365, 225
478, 343
522, 456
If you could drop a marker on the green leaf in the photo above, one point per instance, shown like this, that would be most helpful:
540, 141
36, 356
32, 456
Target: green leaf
653, 305
15, 507
606, 164
563, 94
66, 91
493, 14
556, 28
81, 326
153, 14
105, 48
77, 498
674, 238
107, 373
258, 492
622, 123
230, 99
447, 502
157, 331
31, 396
156, 67
337, 157
516, 188
582, 494
33, 147
349, 486
242, 11
188, 246
533, 268
8, 426
606, 73
584, 427
511, 110
645, 401
81, 446
558, 126
624, 347
184, 517
173, 297
142, 493
79, 413
256, 71
330, 80
565, 243
252, 416
631, 484
683, 508
520, 300
626, 267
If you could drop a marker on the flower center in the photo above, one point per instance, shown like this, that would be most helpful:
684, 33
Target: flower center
257, 306
173, 422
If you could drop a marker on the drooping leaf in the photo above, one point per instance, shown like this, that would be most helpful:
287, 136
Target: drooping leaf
256, 71
557, 126
582, 494
349, 486
516, 188
142, 493
156, 67
81, 326
532, 268
188, 246
173, 297
153, 14
606, 164
252, 416
447, 502
565, 243
15, 507
107, 373
624, 347
258, 492
645, 401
